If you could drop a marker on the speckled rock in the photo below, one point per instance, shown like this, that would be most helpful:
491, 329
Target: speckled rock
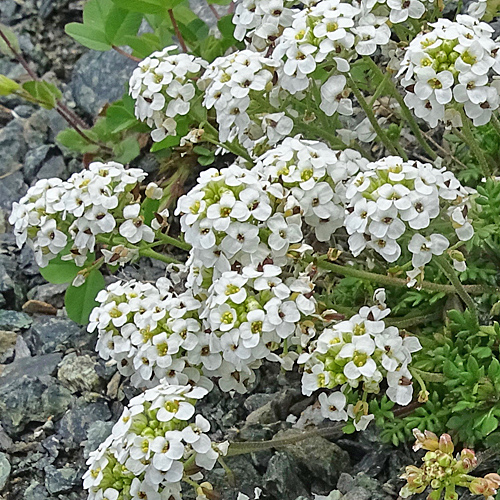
99, 78
77, 373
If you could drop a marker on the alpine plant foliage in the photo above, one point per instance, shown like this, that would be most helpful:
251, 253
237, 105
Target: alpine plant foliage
348, 232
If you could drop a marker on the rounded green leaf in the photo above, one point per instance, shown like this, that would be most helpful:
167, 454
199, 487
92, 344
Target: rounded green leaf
80, 301
60, 271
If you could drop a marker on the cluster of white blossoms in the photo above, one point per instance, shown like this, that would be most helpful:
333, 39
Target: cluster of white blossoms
308, 179
450, 67
260, 22
151, 332
155, 444
327, 31
359, 353
231, 84
65, 217
163, 86
393, 201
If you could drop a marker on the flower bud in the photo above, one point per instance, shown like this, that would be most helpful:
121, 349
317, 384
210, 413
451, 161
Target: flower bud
446, 444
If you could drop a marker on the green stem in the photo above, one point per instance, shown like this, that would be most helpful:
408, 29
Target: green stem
473, 145
450, 273
165, 238
427, 376
412, 320
152, 254
395, 150
213, 137
407, 114
253, 446
389, 280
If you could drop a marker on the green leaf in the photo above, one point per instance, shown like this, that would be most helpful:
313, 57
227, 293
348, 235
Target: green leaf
7, 86
349, 428
126, 150
120, 115
12, 37
144, 6
88, 36
96, 12
490, 424
148, 209
219, 2
43, 93
71, 139
144, 45
80, 301
60, 271
121, 23
168, 142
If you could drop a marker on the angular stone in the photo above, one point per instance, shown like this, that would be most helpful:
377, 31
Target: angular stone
14, 320
49, 334
29, 394
99, 78
323, 459
96, 434
77, 373
281, 478
75, 423
61, 480
5, 469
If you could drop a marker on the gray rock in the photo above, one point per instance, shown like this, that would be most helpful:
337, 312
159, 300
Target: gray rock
99, 78
74, 425
29, 394
245, 478
5, 469
53, 167
36, 491
33, 161
281, 478
96, 434
50, 293
12, 188
256, 401
12, 147
36, 128
77, 373
358, 493
323, 459
61, 480
38, 366
49, 334
14, 320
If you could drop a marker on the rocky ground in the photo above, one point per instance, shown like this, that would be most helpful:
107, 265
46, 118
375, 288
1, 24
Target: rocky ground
58, 400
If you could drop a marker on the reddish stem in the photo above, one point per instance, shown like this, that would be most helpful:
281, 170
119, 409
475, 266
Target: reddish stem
126, 54
178, 33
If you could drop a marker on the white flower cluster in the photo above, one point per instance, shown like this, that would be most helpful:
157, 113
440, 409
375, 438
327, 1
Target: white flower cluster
233, 82
163, 86
308, 179
359, 353
150, 331
260, 22
327, 31
65, 217
450, 66
152, 447
393, 199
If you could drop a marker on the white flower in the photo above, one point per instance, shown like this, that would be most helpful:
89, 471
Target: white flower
332, 406
333, 98
424, 248
400, 388
359, 352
